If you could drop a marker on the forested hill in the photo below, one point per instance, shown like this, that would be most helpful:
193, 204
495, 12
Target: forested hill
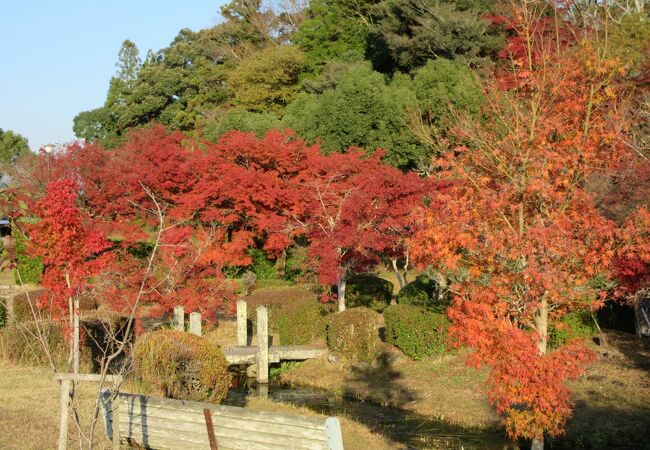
352, 73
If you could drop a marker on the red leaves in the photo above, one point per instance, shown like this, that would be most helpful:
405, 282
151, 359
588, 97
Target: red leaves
68, 241
517, 232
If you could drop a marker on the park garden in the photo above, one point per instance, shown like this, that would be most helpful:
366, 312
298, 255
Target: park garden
449, 199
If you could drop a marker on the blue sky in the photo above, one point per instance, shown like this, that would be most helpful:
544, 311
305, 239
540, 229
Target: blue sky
58, 55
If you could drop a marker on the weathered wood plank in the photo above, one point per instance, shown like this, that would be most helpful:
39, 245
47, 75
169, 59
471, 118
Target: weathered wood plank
176, 424
197, 433
228, 428
135, 402
87, 377
63, 420
248, 355
171, 418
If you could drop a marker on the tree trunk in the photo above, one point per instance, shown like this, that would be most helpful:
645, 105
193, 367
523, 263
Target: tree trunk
340, 291
405, 271
400, 280
537, 444
541, 324
75, 336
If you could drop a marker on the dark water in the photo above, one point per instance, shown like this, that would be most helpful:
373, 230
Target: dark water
398, 425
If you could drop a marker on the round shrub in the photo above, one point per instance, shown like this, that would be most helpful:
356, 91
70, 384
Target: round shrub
369, 291
302, 325
574, 325
423, 291
353, 333
416, 331
181, 365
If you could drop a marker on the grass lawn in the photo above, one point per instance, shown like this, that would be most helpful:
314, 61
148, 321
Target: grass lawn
29, 413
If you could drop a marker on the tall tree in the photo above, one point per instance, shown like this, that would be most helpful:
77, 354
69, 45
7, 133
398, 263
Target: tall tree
409, 32
516, 231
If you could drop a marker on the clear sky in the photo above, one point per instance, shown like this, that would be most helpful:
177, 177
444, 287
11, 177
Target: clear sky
57, 56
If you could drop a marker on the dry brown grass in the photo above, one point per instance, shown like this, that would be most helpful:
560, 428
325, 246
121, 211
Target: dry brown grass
29, 409
355, 435
441, 388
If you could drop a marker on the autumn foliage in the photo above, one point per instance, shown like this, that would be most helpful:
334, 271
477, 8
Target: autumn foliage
516, 231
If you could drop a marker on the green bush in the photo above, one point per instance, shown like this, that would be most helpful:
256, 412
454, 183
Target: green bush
416, 331
262, 267
369, 291
30, 268
181, 365
353, 333
25, 305
19, 344
423, 291
3, 314
301, 325
574, 325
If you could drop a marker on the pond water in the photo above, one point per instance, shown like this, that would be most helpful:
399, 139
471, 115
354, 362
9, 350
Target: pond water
398, 425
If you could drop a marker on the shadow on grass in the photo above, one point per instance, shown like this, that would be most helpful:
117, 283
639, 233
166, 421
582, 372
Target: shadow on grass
604, 428
408, 428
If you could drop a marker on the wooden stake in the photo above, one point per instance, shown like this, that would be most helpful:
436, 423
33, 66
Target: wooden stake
63, 424
210, 427
115, 425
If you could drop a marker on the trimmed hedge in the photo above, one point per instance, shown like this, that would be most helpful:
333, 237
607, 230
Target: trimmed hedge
369, 291
181, 365
574, 325
31, 268
302, 325
416, 331
22, 311
353, 333
423, 292
19, 344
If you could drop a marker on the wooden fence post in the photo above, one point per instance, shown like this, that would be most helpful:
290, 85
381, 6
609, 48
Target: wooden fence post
262, 345
63, 424
115, 424
195, 323
242, 327
179, 318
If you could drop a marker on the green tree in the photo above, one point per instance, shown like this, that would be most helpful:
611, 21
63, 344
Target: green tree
268, 79
334, 29
12, 145
407, 33
363, 110
242, 120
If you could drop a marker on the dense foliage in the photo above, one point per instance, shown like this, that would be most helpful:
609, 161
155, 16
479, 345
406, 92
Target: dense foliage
181, 365
370, 291
416, 331
353, 333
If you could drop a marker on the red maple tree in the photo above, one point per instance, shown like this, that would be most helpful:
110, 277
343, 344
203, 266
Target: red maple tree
516, 232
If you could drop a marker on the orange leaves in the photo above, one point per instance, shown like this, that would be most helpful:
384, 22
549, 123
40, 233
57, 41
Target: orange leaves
516, 229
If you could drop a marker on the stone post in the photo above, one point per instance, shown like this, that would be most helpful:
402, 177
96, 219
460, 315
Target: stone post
195, 323
242, 327
179, 318
262, 345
